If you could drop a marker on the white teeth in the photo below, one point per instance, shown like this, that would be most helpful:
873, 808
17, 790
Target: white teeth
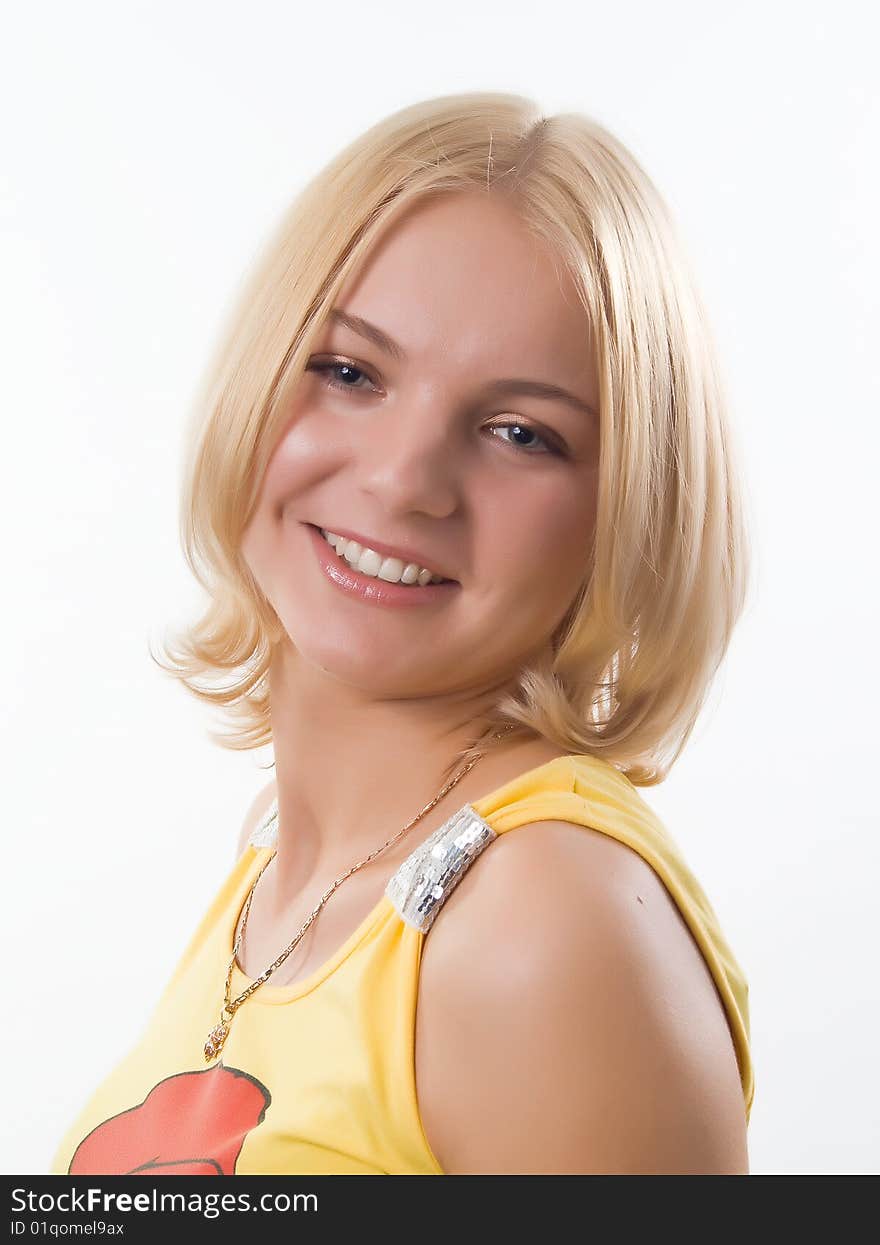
369, 562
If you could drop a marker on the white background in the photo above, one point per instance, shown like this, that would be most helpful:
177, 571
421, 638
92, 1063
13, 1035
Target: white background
147, 150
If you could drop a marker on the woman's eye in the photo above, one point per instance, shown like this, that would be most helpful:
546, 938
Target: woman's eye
339, 374
533, 438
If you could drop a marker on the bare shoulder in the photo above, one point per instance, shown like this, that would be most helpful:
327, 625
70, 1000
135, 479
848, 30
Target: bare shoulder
567, 1021
258, 806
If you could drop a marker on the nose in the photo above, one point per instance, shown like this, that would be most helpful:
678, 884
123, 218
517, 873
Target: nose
408, 460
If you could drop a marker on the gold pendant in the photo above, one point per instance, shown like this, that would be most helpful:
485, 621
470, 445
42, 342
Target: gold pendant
216, 1038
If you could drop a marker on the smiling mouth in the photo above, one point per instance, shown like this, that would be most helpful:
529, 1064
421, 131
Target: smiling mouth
374, 565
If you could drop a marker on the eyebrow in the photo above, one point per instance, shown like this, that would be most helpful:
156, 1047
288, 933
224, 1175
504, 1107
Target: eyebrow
495, 388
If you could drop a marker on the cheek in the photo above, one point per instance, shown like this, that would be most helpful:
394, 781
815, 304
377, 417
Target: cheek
542, 543
283, 480
256, 551
295, 460
298, 464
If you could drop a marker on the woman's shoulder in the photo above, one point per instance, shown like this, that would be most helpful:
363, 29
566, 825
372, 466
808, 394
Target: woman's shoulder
534, 886
584, 813
565, 786
579, 942
567, 1021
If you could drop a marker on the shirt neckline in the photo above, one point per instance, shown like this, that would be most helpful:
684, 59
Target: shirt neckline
268, 994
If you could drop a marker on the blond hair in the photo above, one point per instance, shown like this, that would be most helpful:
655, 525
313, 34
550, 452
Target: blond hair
628, 670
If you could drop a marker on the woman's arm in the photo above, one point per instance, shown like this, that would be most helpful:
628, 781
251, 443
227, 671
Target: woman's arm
567, 1021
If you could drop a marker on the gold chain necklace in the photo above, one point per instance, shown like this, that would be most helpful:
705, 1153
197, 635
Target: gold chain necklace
220, 1032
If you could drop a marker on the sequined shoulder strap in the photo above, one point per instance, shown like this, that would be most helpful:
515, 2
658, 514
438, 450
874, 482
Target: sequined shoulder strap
428, 876
266, 831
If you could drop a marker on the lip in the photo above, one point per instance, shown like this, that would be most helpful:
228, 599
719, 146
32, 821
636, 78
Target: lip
370, 589
405, 552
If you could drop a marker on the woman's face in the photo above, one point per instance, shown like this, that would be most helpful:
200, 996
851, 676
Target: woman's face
414, 428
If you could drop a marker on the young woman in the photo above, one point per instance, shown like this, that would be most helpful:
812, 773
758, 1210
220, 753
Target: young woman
461, 496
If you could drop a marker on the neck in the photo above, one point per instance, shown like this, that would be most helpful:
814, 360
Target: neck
351, 771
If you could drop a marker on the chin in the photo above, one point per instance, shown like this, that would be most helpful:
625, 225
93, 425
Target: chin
359, 661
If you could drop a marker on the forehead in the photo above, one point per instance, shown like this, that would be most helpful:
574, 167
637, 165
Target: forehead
459, 276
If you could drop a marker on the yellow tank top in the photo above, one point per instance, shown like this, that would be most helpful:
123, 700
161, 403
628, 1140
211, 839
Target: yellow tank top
318, 1078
